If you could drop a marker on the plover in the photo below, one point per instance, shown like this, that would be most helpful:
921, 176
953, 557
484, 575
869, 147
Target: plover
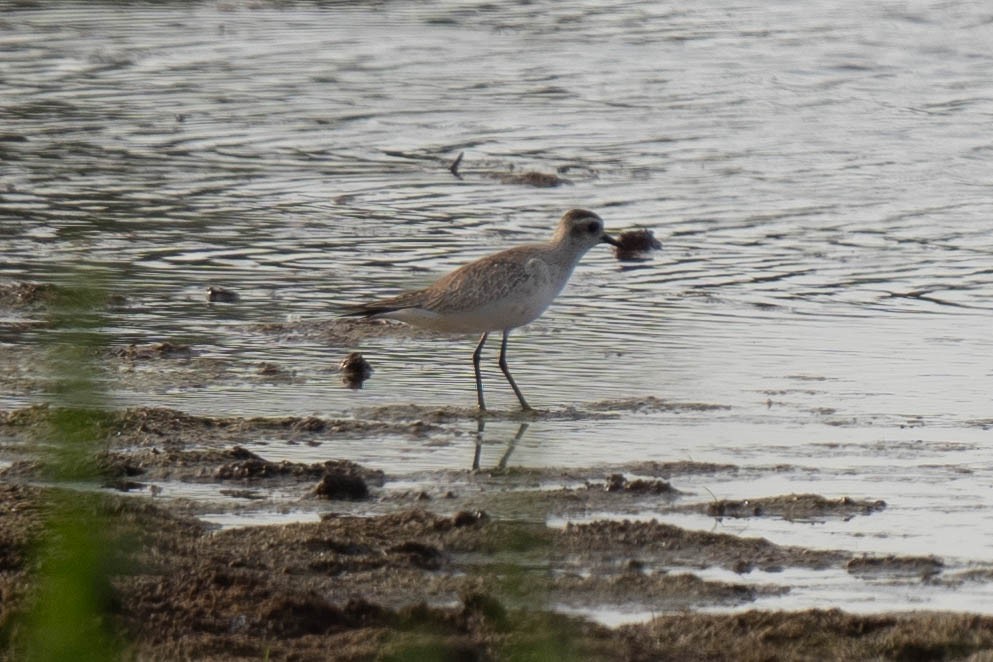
498, 292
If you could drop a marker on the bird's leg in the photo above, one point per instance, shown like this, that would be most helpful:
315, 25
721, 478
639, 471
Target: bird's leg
475, 366
506, 373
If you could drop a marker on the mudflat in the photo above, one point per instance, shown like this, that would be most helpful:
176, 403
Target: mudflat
467, 572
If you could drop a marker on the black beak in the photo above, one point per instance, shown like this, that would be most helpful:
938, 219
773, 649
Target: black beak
607, 239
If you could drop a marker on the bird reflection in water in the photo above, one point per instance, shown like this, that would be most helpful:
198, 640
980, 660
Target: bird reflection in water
502, 464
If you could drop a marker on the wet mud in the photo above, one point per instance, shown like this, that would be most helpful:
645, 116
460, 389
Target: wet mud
414, 583
301, 154
487, 562
466, 567
793, 507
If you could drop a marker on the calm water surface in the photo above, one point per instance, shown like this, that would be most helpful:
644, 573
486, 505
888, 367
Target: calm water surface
820, 175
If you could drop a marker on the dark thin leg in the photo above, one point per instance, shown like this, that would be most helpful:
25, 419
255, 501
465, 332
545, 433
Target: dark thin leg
506, 372
475, 366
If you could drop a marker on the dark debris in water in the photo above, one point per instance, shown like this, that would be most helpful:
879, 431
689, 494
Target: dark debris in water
222, 295
355, 370
636, 245
155, 350
531, 178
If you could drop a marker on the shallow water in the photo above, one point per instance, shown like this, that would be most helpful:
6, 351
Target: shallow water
819, 176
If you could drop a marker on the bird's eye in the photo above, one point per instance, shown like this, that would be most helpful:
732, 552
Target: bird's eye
593, 228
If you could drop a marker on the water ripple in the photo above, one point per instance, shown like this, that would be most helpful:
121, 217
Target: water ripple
819, 183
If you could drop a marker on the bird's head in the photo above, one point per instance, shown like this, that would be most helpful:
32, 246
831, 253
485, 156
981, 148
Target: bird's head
581, 227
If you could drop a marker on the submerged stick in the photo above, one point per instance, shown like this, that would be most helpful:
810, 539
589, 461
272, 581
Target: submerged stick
454, 168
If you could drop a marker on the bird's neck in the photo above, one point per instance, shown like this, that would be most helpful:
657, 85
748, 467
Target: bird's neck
564, 252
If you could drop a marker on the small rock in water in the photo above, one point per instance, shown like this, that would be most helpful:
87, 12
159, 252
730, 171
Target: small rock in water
469, 518
341, 485
354, 370
636, 244
221, 295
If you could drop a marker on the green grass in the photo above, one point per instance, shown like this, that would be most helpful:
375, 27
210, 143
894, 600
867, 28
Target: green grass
67, 617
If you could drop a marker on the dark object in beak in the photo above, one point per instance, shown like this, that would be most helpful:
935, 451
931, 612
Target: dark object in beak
636, 245
607, 239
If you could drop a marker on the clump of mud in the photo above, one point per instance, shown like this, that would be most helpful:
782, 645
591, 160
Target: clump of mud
673, 546
531, 178
336, 484
924, 567
618, 483
794, 507
155, 350
354, 370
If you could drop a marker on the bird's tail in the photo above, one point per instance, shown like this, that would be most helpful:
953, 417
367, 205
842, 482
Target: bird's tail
411, 299
367, 310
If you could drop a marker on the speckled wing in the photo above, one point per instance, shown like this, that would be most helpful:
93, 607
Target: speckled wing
478, 284
471, 286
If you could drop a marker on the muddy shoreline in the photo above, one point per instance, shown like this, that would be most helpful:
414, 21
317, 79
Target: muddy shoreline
467, 569
216, 551
786, 408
